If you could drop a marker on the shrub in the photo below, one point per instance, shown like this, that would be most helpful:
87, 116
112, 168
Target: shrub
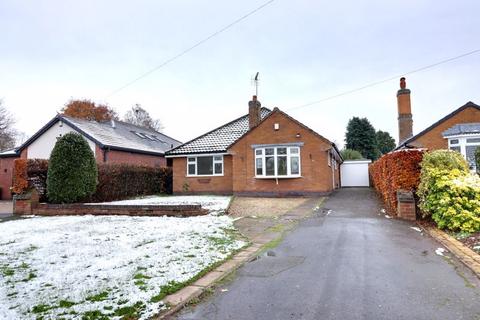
394, 171
350, 154
448, 192
20, 177
72, 172
123, 181
37, 176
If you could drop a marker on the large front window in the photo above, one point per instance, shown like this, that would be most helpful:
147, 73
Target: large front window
277, 162
205, 166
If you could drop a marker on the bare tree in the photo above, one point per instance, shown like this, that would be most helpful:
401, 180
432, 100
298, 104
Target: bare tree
7, 132
140, 117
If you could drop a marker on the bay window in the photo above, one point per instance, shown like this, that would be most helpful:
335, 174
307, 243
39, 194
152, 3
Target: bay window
205, 166
277, 162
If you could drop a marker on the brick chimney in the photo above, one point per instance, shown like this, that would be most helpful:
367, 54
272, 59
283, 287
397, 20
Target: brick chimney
405, 122
254, 112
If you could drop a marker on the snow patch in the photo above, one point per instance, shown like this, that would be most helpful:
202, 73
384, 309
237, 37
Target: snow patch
44, 260
211, 203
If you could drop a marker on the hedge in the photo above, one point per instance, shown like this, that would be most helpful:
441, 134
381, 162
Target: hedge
448, 192
122, 181
394, 171
115, 181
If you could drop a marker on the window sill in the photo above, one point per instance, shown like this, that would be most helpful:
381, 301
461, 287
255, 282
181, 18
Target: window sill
278, 177
205, 176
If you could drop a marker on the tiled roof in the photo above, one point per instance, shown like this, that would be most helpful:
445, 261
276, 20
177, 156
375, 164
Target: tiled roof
124, 135
217, 140
118, 135
462, 128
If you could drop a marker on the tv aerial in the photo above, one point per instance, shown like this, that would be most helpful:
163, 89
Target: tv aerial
255, 83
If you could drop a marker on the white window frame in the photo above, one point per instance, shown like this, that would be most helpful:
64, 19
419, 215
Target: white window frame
463, 144
214, 161
275, 155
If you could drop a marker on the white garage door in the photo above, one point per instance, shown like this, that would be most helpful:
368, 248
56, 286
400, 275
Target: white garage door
354, 173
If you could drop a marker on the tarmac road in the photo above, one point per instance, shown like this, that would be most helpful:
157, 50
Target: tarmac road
348, 261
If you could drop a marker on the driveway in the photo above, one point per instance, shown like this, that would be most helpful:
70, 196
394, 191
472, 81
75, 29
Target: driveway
348, 263
6, 210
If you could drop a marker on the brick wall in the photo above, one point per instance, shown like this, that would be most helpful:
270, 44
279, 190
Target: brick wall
406, 206
210, 185
316, 174
433, 139
115, 156
6, 176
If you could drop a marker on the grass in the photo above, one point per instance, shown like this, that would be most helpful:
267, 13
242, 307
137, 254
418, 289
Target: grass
130, 312
98, 297
66, 304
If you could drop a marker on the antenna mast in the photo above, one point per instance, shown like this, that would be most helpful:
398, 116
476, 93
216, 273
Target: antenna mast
255, 83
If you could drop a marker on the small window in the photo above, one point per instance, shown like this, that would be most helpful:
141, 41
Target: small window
139, 134
259, 166
457, 149
454, 141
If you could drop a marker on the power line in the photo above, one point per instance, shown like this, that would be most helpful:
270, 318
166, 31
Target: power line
385, 80
216, 33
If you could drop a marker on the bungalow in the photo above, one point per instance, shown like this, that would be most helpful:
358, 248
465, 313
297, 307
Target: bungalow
111, 142
458, 130
263, 153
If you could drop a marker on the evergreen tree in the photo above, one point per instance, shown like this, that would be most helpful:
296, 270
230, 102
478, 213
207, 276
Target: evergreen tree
361, 136
385, 142
72, 170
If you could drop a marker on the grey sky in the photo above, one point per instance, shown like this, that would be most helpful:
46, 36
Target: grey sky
51, 51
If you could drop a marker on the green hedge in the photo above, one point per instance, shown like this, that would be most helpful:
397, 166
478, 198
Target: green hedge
448, 192
123, 181
115, 181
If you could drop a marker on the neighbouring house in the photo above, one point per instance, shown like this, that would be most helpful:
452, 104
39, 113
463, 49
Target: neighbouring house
459, 130
111, 142
264, 153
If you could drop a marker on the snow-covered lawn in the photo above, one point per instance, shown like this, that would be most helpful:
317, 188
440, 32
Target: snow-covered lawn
212, 203
89, 266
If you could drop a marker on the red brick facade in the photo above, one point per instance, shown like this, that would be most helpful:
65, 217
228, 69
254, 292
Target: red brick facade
6, 175
433, 139
115, 156
198, 185
317, 177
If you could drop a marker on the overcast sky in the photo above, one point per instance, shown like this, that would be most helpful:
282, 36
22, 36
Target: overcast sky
51, 51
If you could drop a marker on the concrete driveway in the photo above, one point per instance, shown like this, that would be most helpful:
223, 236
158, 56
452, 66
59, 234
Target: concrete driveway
348, 263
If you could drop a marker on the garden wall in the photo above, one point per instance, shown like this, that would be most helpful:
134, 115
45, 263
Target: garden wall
27, 204
398, 170
115, 181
